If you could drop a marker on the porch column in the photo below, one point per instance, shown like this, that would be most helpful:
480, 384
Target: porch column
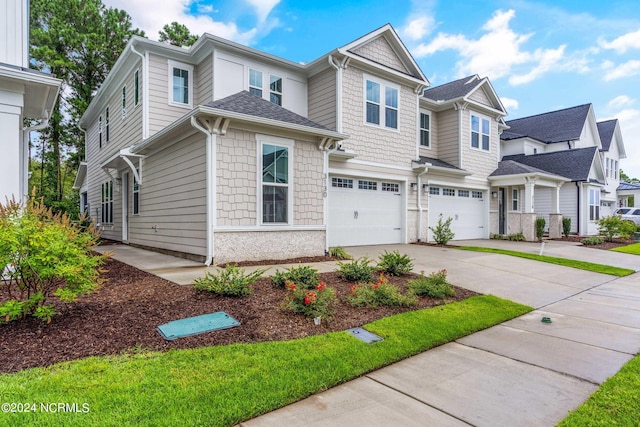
555, 200
528, 216
528, 195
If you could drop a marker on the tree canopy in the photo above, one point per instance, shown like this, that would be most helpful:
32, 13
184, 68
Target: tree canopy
177, 34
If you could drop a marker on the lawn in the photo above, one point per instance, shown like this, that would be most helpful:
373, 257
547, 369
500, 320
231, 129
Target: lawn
223, 385
633, 249
615, 403
582, 265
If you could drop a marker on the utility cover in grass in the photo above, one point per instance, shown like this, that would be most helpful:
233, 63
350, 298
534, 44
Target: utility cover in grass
197, 325
364, 335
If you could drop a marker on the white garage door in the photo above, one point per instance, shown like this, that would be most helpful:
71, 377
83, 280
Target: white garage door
363, 211
466, 207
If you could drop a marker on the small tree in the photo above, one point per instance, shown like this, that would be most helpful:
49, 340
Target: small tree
43, 255
614, 226
566, 226
442, 232
540, 225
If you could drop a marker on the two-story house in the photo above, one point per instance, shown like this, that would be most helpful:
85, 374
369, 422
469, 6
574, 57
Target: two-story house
24, 93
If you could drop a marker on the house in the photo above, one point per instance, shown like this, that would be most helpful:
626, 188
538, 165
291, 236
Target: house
555, 164
24, 93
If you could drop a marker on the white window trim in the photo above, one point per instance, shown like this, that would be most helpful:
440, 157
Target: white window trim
182, 66
383, 84
595, 204
273, 91
283, 142
516, 200
250, 86
481, 117
136, 88
123, 101
428, 113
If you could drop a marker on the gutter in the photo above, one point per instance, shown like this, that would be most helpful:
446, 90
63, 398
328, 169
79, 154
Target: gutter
420, 209
145, 128
339, 67
578, 208
326, 151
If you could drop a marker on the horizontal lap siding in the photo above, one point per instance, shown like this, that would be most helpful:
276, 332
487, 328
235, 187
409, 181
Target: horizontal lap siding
447, 143
322, 98
204, 82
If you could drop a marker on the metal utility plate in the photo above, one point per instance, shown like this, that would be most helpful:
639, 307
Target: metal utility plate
364, 335
197, 325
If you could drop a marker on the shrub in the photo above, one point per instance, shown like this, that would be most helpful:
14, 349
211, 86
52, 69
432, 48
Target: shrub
497, 236
357, 270
434, 285
566, 226
303, 276
315, 302
43, 255
614, 226
395, 263
442, 231
595, 240
377, 294
231, 281
516, 237
540, 224
339, 252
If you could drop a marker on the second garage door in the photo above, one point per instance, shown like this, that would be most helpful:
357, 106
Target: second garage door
466, 207
365, 211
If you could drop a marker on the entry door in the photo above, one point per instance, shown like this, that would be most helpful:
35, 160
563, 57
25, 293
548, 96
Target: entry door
125, 207
502, 211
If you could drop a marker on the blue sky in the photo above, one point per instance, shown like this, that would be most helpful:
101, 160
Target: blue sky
539, 55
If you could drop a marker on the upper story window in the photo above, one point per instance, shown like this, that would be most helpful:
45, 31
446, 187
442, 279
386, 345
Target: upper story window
106, 115
382, 101
480, 132
255, 82
425, 129
275, 89
615, 169
276, 180
124, 102
180, 84
136, 88
100, 131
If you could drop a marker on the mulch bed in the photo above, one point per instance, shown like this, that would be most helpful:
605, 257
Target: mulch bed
123, 314
604, 246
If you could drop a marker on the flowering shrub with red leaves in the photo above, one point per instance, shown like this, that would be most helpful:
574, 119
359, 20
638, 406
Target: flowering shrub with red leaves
379, 293
315, 302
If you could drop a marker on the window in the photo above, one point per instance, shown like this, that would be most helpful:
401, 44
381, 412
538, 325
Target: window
84, 203
341, 183
376, 97
136, 88
255, 82
124, 102
608, 167
276, 183
368, 185
535, 151
615, 169
434, 191
107, 202
448, 192
594, 204
100, 131
514, 200
136, 195
275, 90
463, 193
180, 84
480, 130
391, 187
106, 116
425, 128
476, 194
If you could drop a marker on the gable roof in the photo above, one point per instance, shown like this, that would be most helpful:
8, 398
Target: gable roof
511, 167
463, 90
573, 164
555, 126
606, 130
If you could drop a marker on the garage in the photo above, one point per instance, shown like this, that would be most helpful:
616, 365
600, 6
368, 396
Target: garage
467, 207
365, 211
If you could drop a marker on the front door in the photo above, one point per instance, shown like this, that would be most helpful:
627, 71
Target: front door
502, 211
125, 208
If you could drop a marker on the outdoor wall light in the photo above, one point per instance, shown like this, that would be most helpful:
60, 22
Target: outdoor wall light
494, 194
414, 186
425, 187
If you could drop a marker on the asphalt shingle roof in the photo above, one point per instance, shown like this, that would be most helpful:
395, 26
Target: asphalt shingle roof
437, 162
573, 164
247, 103
606, 129
511, 167
554, 126
452, 90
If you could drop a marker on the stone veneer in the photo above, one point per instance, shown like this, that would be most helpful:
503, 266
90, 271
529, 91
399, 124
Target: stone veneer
555, 226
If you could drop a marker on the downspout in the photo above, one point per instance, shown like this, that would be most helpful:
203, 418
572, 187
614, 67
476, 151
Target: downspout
325, 173
210, 187
339, 67
144, 91
578, 208
26, 137
424, 171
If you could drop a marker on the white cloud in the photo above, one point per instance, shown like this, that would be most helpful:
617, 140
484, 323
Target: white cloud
628, 69
509, 103
623, 43
630, 126
497, 52
151, 15
418, 27
621, 101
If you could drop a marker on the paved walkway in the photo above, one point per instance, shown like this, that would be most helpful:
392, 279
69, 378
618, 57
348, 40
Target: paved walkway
520, 373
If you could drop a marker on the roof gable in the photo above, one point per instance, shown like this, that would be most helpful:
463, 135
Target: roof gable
573, 164
379, 50
606, 130
555, 126
470, 89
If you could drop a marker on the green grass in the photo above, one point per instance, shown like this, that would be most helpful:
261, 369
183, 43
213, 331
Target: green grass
633, 249
615, 403
221, 386
582, 265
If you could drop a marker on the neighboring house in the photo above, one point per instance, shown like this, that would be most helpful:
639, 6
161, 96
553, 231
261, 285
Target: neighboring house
625, 191
24, 93
560, 163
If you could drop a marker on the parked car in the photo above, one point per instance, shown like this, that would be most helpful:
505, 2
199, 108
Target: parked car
631, 215
622, 211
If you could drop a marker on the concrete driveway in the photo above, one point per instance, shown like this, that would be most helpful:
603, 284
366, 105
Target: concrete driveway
520, 373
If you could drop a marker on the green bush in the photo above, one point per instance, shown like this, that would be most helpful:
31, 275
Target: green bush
442, 232
566, 226
497, 236
614, 226
595, 240
231, 281
43, 255
395, 263
381, 293
357, 270
303, 276
516, 237
540, 224
316, 302
434, 285
339, 252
